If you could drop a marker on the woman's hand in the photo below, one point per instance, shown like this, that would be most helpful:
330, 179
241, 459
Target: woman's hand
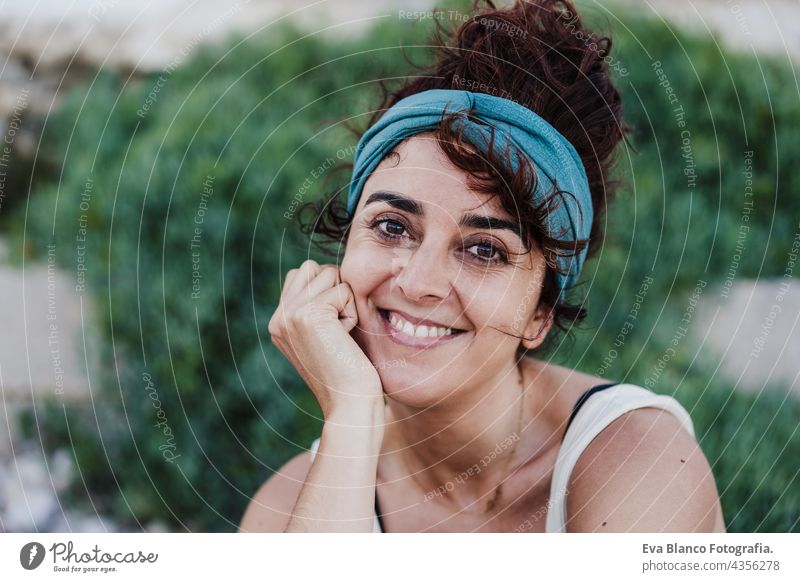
311, 327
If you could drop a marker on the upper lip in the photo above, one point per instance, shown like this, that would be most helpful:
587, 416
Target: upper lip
419, 321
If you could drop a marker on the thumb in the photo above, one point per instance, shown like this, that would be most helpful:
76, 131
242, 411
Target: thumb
341, 298
349, 315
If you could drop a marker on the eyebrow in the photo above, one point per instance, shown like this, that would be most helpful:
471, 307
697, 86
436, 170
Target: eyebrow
401, 202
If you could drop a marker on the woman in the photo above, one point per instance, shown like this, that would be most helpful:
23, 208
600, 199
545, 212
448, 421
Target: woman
477, 194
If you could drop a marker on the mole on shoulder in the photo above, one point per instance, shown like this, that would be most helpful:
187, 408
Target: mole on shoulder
605, 522
683, 460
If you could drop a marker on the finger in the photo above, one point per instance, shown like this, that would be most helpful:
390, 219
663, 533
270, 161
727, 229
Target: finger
327, 278
287, 282
349, 315
340, 298
299, 281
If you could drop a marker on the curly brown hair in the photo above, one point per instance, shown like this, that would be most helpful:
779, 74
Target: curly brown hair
542, 56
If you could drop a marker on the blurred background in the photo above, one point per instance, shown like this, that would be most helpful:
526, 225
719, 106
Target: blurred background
152, 160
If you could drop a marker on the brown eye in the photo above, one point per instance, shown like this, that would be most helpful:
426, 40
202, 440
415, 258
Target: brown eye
389, 229
488, 253
394, 228
485, 250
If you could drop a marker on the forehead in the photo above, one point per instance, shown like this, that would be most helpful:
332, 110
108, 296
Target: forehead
424, 172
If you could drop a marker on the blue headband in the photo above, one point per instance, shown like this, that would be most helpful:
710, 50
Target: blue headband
516, 125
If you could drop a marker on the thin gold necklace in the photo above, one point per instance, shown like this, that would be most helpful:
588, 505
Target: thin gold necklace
490, 504
499, 488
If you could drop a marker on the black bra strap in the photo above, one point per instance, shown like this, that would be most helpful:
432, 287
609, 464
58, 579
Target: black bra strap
378, 510
582, 400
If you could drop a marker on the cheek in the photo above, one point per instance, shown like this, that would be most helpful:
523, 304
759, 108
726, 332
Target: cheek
488, 302
364, 268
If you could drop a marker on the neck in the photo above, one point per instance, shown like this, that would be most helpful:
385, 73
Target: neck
461, 449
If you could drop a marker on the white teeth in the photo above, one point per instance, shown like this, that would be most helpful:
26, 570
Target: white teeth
417, 331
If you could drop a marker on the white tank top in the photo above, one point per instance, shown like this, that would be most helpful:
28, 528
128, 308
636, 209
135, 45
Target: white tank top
597, 412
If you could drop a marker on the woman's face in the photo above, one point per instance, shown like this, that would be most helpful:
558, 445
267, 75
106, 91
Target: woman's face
424, 248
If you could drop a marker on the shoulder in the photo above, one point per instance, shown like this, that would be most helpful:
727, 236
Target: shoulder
272, 505
559, 386
643, 473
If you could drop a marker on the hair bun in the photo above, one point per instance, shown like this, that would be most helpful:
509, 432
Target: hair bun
541, 55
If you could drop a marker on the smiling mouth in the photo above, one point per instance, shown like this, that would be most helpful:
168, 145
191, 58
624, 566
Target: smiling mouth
408, 334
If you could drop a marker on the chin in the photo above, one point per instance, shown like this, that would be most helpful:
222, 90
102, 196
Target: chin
417, 388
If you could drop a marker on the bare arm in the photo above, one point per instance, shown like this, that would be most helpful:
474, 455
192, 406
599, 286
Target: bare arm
339, 492
272, 505
643, 473
335, 492
312, 327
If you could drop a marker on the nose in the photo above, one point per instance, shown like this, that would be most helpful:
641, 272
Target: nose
422, 273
